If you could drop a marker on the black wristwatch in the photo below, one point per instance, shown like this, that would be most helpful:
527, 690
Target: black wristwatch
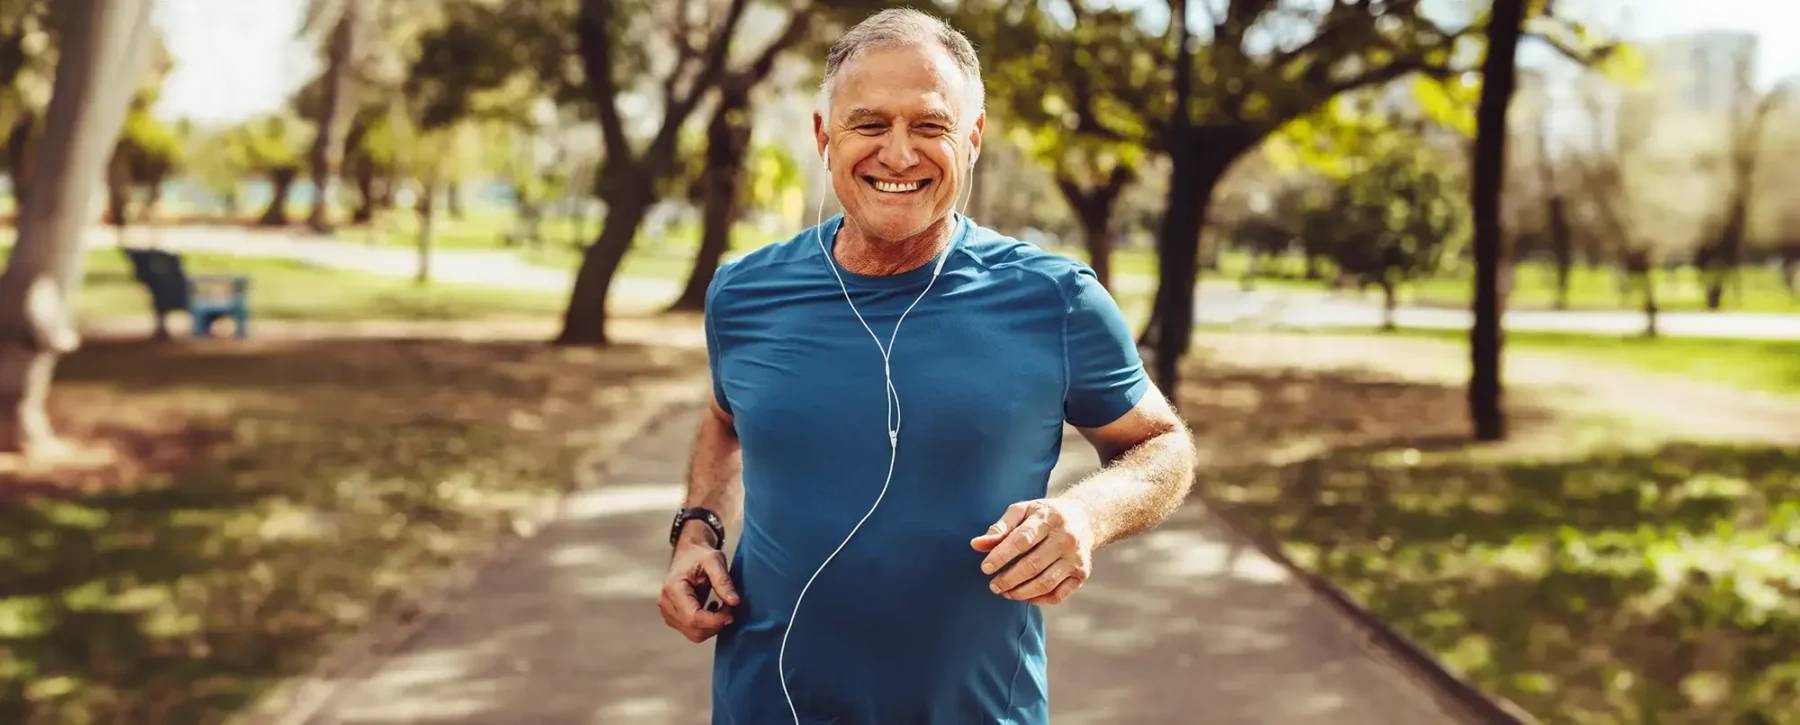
712, 521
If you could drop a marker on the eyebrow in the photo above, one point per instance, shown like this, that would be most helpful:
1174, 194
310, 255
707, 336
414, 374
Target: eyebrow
861, 114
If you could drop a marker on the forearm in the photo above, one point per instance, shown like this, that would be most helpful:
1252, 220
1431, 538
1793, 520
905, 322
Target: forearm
1139, 488
715, 479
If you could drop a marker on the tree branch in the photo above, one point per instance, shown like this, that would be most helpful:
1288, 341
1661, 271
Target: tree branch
799, 20
718, 49
594, 28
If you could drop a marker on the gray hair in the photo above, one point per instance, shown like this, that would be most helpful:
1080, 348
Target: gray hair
904, 27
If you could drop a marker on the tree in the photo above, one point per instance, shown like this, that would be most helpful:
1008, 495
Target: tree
727, 144
1720, 257
1486, 336
1067, 89
346, 22
104, 44
1397, 209
1230, 94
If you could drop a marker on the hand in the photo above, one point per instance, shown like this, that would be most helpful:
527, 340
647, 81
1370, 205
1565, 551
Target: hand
1054, 536
696, 563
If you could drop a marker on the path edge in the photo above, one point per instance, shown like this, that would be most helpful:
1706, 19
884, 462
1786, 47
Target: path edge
1487, 708
298, 700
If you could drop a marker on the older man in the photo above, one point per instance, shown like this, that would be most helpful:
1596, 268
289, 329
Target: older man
889, 393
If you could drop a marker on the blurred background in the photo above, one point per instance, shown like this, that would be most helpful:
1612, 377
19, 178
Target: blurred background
287, 374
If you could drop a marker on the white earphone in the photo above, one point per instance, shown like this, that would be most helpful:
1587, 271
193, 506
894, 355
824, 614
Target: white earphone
893, 401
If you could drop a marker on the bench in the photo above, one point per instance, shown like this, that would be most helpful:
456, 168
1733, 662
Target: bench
205, 298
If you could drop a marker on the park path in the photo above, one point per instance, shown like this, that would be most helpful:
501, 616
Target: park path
1186, 624
1218, 302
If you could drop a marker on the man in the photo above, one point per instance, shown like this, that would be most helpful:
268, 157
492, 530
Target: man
897, 541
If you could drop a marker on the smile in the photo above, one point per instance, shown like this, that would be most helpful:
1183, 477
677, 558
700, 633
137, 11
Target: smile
892, 187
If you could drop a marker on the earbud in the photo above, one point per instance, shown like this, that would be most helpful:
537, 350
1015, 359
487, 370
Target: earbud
827, 158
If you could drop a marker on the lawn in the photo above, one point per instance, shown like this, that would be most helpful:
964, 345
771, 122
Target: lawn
1583, 579
264, 499
289, 290
1770, 366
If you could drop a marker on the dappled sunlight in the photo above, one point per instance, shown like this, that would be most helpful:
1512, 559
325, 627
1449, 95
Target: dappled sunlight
285, 495
1584, 582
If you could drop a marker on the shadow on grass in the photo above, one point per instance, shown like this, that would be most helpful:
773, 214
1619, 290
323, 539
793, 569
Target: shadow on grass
321, 481
1586, 584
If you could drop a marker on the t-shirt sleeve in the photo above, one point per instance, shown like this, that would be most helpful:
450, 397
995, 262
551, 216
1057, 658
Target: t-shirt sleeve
1106, 378
713, 346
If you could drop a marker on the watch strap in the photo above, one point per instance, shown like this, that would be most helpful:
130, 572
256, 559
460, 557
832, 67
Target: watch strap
711, 519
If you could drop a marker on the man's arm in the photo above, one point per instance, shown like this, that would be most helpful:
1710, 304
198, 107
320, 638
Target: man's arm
714, 483
1147, 467
715, 473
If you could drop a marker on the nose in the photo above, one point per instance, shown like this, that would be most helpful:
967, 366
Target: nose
897, 151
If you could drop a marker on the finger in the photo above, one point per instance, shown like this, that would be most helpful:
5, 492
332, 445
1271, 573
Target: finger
1045, 559
1014, 515
1018, 541
1060, 594
719, 578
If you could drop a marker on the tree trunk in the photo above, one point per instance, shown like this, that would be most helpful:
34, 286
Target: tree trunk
336, 113
18, 153
118, 193
727, 143
365, 190
1198, 162
1096, 235
1649, 305
1094, 211
1387, 304
281, 181
100, 38
584, 322
453, 200
427, 231
1562, 245
1487, 339
1198, 165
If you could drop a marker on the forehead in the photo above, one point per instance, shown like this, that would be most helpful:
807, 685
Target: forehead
900, 80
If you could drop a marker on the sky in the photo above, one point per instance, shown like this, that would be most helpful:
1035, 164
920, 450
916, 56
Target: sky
239, 58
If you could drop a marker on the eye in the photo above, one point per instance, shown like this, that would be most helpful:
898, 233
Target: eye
870, 128
932, 129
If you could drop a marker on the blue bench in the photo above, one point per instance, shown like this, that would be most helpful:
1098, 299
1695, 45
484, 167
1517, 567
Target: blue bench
205, 298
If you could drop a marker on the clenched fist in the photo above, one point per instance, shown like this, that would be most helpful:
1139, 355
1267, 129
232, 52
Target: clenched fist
696, 563
1050, 545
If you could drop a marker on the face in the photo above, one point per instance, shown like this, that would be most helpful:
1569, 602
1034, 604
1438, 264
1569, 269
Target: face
900, 138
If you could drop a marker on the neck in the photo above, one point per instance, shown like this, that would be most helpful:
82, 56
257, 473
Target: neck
862, 254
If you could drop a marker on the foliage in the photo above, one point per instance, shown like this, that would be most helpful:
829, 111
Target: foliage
267, 145
1395, 208
1622, 582
272, 499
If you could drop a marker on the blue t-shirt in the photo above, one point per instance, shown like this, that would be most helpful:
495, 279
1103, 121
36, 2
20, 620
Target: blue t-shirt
901, 628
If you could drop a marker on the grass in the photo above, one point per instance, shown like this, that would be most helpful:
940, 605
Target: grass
289, 290
1769, 366
1586, 581
268, 499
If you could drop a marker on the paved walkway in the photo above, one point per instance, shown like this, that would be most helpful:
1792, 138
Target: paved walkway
1218, 302
1185, 625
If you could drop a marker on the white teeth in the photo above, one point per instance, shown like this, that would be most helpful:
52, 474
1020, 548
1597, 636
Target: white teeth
892, 187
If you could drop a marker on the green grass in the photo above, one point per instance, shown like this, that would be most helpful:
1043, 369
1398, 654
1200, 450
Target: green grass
1584, 582
269, 499
289, 290
1770, 366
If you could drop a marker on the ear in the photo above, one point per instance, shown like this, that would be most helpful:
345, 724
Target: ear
975, 138
821, 139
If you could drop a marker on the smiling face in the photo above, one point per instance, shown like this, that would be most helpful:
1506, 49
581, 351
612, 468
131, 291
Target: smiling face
900, 135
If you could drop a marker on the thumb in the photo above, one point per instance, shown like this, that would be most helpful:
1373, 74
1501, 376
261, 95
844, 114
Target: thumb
720, 580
